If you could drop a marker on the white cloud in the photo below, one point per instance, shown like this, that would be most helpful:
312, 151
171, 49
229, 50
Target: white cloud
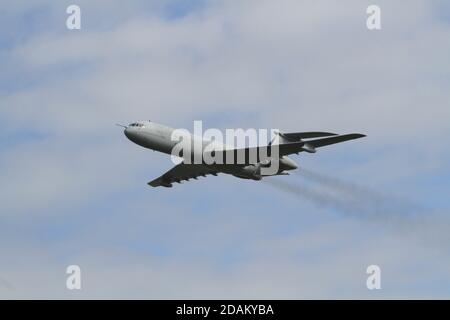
291, 65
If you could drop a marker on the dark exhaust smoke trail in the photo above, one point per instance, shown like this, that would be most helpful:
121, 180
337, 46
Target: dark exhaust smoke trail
362, 200
315, 196
347, 198
364, 204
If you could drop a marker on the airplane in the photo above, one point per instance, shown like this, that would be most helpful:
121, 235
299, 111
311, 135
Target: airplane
158, 137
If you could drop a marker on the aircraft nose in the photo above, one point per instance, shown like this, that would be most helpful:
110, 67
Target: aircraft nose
130, 133
134, 135
127, 132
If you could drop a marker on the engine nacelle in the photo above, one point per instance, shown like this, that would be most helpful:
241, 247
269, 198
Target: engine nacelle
270, 162
277, 165
270, 167
251, 172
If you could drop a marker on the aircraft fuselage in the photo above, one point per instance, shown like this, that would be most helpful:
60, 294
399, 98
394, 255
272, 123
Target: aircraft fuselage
151, 135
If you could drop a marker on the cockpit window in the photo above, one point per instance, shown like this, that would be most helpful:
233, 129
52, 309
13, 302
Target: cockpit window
136, 125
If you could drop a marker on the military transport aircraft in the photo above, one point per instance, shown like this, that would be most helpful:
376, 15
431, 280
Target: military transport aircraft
158, 137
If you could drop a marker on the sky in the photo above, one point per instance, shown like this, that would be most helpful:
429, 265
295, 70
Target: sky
73, 188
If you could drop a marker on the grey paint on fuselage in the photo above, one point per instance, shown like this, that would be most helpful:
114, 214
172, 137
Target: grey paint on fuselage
151, 135
158, 137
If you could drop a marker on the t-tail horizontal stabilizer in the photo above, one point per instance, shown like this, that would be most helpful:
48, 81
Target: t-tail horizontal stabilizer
298, 136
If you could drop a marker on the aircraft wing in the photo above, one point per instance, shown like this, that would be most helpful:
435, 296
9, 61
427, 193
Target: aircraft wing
181, 172
258, 154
